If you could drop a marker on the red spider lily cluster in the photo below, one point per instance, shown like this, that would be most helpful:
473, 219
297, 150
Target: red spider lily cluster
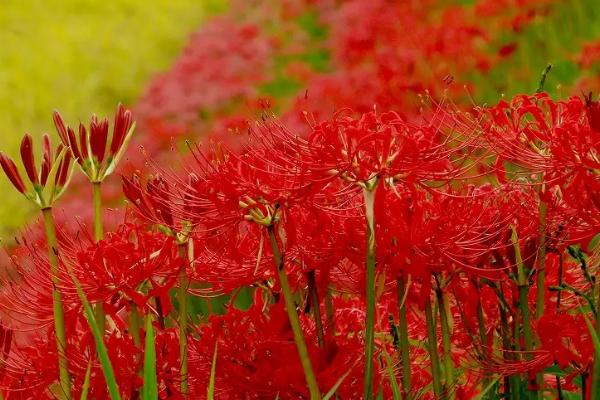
446, 256
376, 241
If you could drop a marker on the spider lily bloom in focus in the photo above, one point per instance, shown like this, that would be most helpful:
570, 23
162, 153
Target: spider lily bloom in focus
45, 186
96, 153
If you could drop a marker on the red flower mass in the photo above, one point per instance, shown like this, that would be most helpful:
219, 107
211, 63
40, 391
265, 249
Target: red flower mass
374, 241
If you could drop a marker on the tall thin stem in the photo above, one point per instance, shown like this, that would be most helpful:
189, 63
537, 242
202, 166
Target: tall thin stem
482, 338
541, 263
403, 338
329, 313
316, 306
446, 342
57, 305
369, 197
309, 375
182, 302
135, 324
98, 235
433, 351
523, 286
558, 299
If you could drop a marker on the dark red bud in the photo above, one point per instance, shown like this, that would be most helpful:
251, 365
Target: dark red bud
47, 146
63, 173
10, 169
122, 124
83, 141
28, 159
60, 127
74, 146
98, 137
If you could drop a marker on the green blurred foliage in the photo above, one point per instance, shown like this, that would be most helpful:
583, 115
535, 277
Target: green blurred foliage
81, 57
556, 39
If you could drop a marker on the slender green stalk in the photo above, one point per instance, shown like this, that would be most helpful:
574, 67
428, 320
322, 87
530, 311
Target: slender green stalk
98, 234
526, 323
183, 319
511, 383
541, 272
541, 263
523, 285
558, 299
309, 375
135, 325
57, 305
150, 387
403, 339
329, 314
369, 197
316, 306
446, 342
433, 351
97, 200
483, 338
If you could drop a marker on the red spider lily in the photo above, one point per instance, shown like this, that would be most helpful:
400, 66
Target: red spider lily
156, 202
129, 265
543, 135
90, 148
49, 183
362, 151
249, 341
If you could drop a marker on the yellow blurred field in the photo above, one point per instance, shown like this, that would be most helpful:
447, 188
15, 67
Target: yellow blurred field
80, 56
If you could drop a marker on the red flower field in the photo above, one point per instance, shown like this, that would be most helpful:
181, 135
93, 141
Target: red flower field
324, 200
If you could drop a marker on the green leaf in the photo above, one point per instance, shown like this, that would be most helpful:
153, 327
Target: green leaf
107, 369
390, 369
150, 389
86, 381
210, 395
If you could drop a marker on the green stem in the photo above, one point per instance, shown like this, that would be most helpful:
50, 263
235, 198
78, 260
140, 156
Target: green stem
369, 198
403, 339
182, 302
98, 235
290, 306
511, 383
97, 199
541, 265
316, 306
483, 339
433, 351
558, 299
523, 285
57, 305
527, 333
446, 342
329, 314
135, 325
